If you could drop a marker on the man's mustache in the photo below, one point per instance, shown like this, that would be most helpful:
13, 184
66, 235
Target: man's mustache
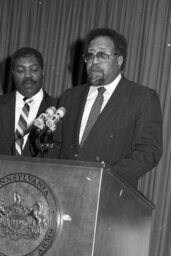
95, 68
28, 80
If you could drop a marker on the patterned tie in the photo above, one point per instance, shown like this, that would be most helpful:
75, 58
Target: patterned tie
94, 113
21, 127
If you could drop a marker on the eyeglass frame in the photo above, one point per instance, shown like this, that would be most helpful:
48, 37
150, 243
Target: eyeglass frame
96, 54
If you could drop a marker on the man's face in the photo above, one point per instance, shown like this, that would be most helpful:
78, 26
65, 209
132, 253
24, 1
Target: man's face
102, 73
28, 75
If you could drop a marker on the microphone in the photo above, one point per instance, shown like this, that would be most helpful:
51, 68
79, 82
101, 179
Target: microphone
56, 118
45, 139
40, 122
50, 111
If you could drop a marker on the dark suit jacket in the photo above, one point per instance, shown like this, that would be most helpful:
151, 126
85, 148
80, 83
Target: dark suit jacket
127, 136
7, 124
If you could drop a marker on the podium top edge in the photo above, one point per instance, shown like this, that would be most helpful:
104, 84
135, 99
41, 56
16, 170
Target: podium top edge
51, 161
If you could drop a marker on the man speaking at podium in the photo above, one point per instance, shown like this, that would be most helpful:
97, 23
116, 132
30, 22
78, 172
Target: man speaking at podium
111, 119
18, 109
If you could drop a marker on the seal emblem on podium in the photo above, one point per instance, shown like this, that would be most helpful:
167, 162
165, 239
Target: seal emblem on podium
30, 216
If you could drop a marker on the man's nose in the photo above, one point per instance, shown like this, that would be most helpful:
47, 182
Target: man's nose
95, 60
28, 73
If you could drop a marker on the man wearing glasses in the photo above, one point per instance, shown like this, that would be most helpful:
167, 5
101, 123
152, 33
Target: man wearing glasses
111, 119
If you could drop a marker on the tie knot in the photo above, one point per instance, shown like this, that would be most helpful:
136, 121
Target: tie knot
27, 100
101, 90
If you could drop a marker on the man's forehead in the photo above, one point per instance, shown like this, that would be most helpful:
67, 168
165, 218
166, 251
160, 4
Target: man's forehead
101, 42
26, 61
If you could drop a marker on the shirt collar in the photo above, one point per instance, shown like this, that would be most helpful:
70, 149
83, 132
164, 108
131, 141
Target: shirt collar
109, 87
37, 97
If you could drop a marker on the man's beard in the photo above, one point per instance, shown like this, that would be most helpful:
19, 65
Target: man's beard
96, 76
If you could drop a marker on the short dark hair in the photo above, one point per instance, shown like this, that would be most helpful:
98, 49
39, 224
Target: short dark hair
119, 41
25, 52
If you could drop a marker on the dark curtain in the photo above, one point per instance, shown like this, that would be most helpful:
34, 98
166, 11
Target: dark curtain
57, 28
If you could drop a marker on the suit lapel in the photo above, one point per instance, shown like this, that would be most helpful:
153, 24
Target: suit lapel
8, 117
77, 110
115, 104
43, 105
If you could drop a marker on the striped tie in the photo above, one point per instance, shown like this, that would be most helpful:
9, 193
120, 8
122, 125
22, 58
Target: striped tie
21, 127
94, 113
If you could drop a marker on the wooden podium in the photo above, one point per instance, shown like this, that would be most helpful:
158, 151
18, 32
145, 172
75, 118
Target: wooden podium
69, 208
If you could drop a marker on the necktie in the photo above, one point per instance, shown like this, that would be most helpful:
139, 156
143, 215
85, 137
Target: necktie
94, 113
21, 127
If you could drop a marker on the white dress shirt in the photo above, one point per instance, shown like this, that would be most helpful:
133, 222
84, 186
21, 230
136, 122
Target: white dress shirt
92, 94
34, 107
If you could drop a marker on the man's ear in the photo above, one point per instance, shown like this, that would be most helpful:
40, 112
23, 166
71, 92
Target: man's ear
120, 61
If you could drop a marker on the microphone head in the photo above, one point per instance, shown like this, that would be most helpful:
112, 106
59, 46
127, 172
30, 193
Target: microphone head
40, 121
50, 111
51, 122
61, 112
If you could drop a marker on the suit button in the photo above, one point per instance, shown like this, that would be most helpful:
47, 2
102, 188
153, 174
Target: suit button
97, 158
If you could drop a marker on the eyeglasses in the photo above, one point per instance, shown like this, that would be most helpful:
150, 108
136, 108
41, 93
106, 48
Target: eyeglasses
101, 56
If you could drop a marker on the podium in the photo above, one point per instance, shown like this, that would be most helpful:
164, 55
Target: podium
67, 208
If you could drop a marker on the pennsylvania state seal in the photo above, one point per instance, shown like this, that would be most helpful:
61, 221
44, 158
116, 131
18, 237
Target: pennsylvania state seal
30, 216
